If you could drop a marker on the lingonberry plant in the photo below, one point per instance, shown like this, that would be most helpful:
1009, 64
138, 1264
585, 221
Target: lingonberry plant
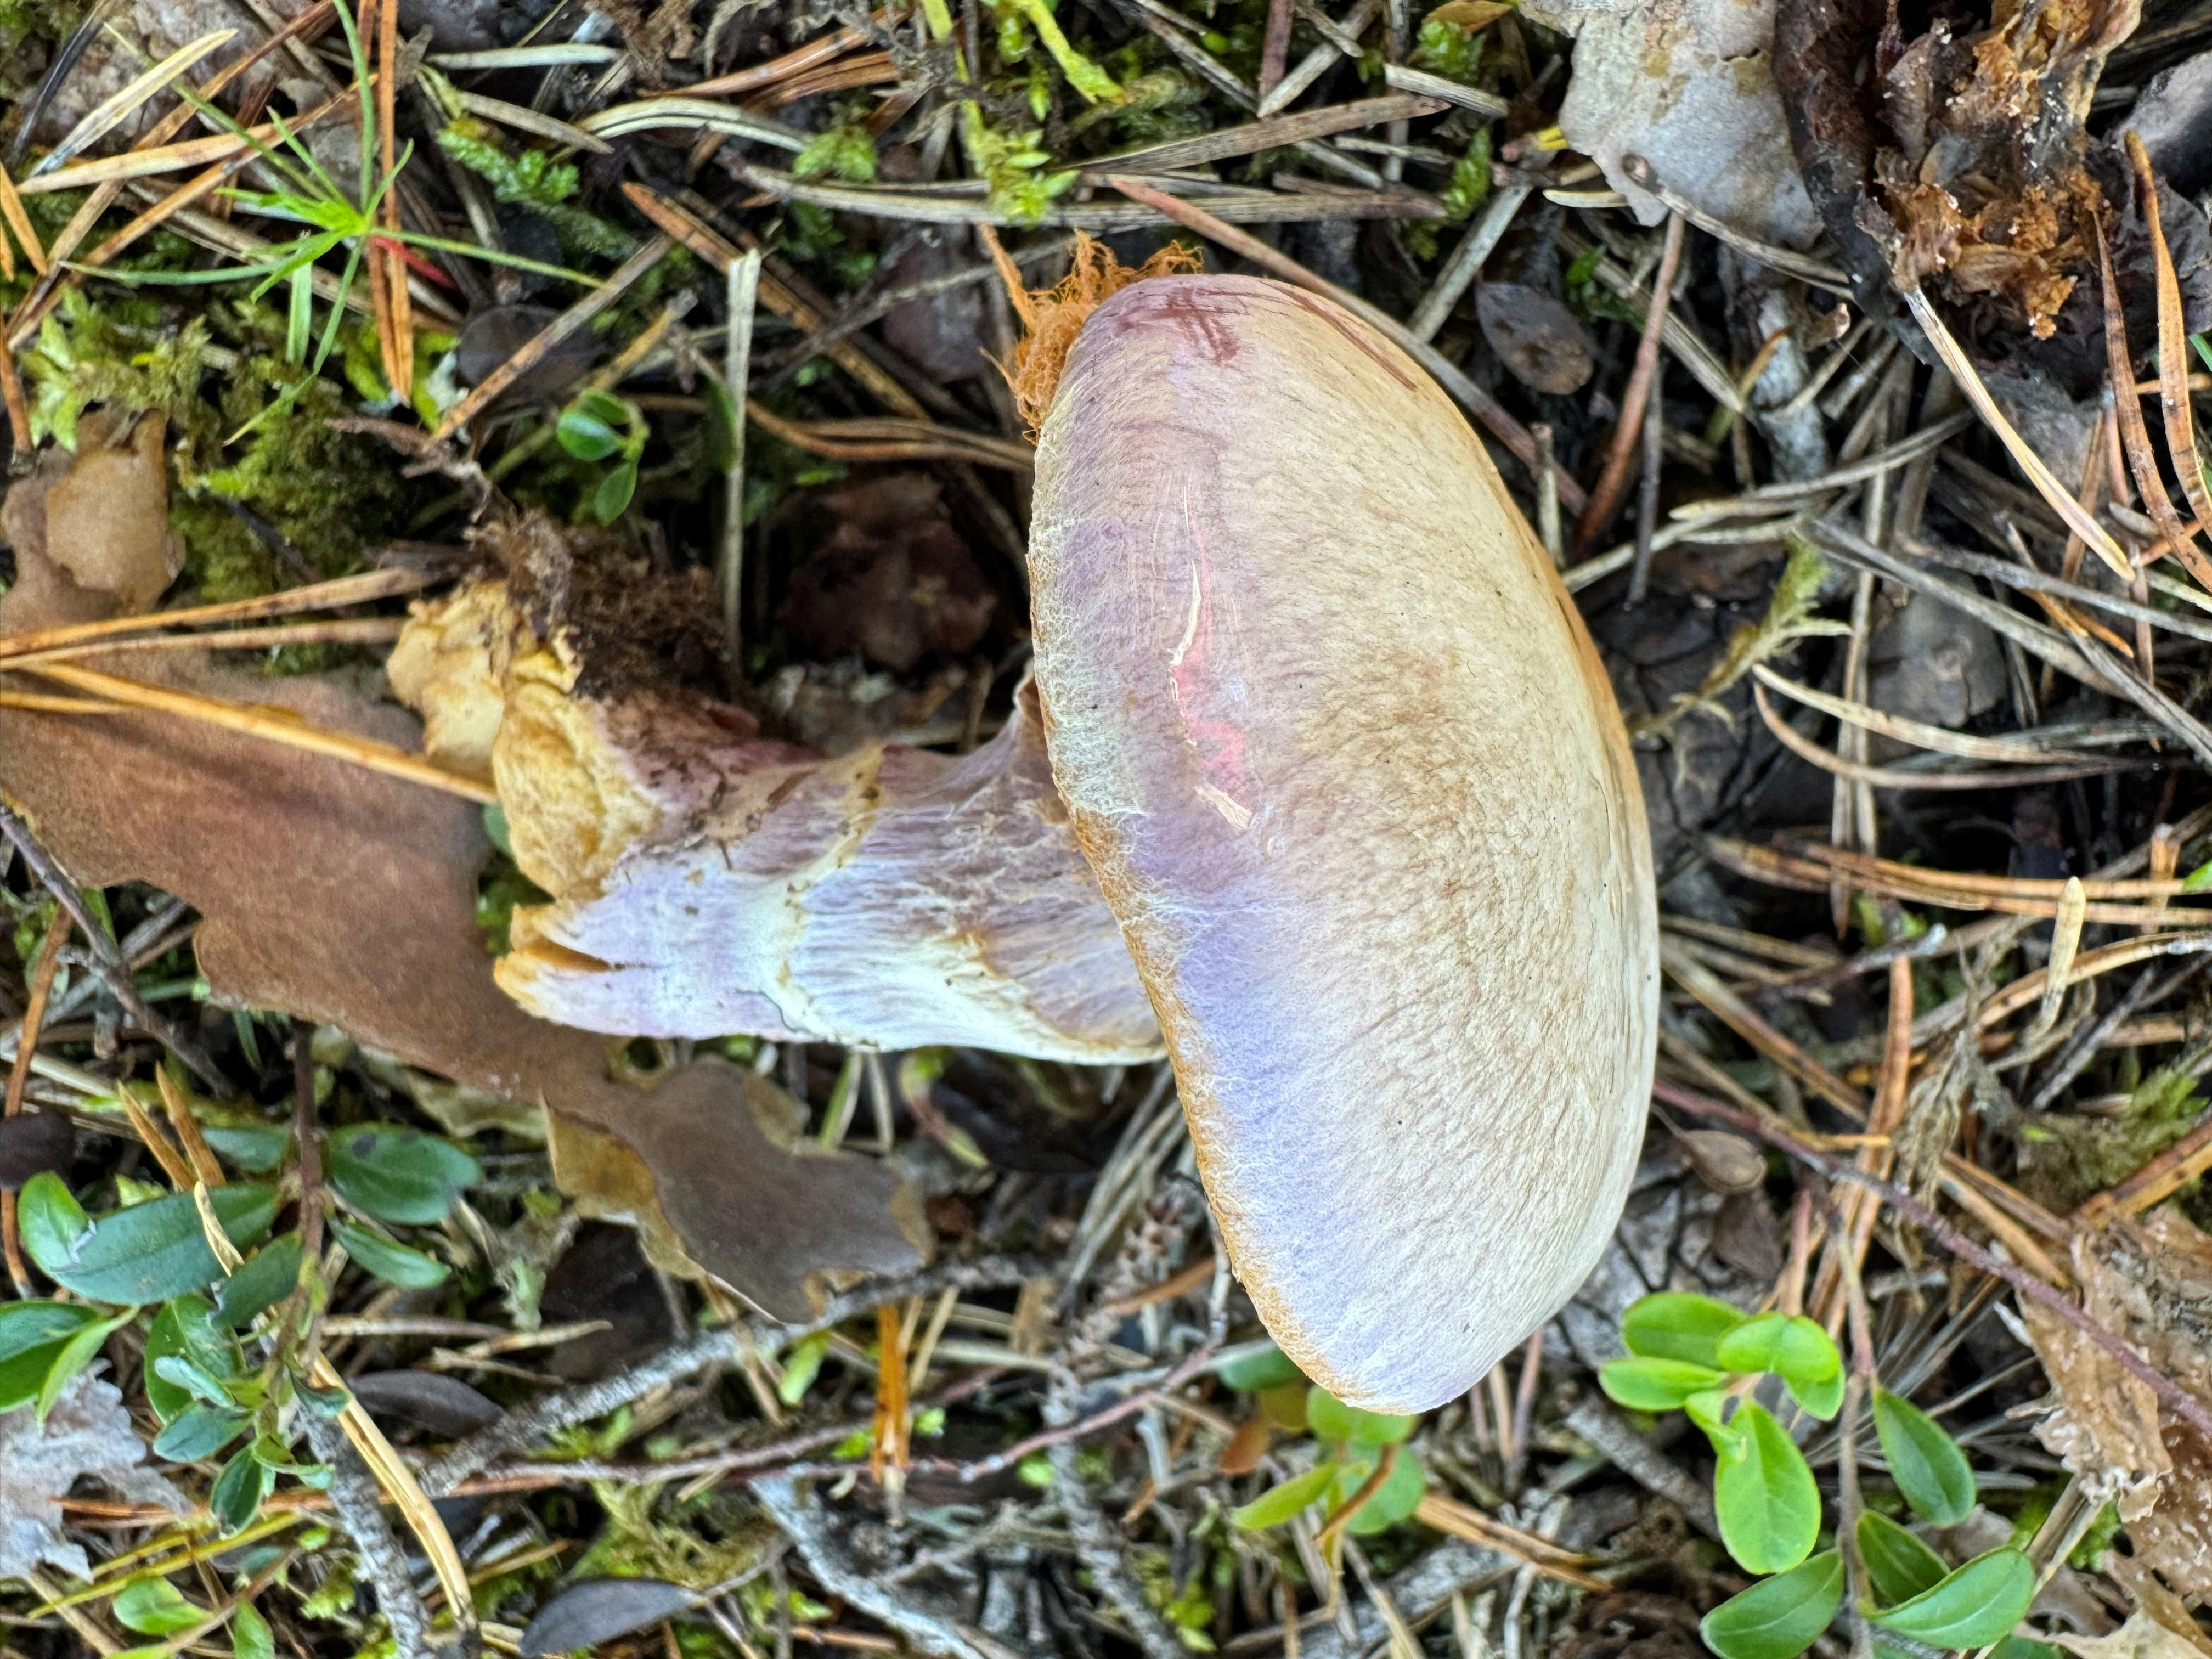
1707, 1359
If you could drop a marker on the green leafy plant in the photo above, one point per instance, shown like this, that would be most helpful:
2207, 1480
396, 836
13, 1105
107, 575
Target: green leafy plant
597, 426
1365, 1477
1703, 1357
222, 1330
333, 221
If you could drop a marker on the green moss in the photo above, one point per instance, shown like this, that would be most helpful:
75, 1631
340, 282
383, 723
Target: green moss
115, 353
1445, 48
847, 150
1161, 102
810, 235
1469, 185
2064, 1159
531, 178
1012, 165
243, 424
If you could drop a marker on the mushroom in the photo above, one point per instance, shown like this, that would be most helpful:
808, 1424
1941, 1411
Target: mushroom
1343, 756
1336, 789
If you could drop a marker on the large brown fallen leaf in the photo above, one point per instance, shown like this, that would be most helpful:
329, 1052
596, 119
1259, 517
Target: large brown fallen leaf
349, 898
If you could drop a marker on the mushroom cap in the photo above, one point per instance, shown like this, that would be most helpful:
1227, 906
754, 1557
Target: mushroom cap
1344, 757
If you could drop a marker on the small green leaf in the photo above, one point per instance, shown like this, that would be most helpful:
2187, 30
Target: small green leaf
1391, 1502
1268, 1368
1274, 1507
181, 1330
1655, 1385
27, 1325
180, 1372
51, 1221
612, 497
200, 1431
32, 1337
1768, 1504
2023, 1647
395, 1264
1793, 1347
1779, 1618
276, 1457
74, 1355
801, 1366
154, 1251
250, 1636
1899, 1563
266, 1279
153, 1607
1975, 1605
1926, 1463
257, 1151
585, 438
1330, 1418
239, 1490
1821, 1400
1675, 1325
604, 407
399, 1175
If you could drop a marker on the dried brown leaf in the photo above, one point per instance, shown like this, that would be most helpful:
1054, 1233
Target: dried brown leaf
105, 511
2150, 1282
2106, 1424
2141, 1638
349, 898
88, 1432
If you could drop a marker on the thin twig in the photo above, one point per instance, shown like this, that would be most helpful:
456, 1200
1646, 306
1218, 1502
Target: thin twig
43, 967
355, 1495
105, 958
617, 284
290, 733
563, 1409
1605, 500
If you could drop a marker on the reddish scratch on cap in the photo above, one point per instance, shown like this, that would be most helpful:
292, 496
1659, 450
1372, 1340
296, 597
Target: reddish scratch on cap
1219, 744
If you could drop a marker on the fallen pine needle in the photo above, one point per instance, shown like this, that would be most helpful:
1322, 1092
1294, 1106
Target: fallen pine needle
319, 596
275, 729
2061, 502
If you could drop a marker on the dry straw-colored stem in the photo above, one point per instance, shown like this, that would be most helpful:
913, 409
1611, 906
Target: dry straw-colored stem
319, 596
274, 728
2061, 502
1613, 483
363, 630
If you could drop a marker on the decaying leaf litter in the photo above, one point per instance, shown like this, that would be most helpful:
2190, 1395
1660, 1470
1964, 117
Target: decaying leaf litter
649, 357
